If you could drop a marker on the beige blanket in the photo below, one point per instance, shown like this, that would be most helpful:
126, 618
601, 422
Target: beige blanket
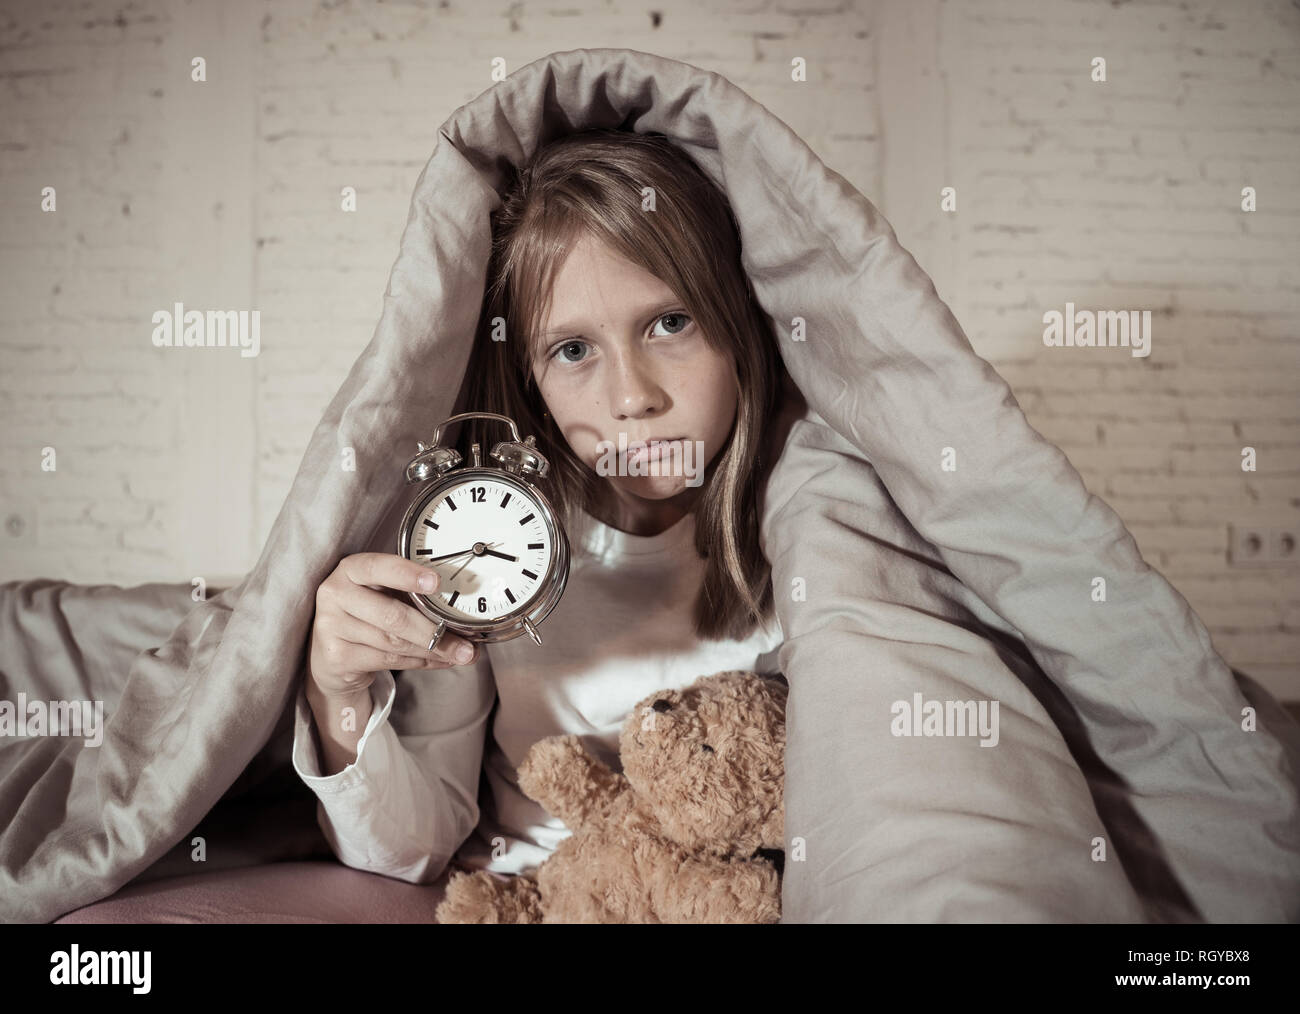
1122, 785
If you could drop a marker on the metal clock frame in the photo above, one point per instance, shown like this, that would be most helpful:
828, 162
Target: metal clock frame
516, 461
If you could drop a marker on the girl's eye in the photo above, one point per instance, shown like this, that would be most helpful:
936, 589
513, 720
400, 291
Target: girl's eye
568, 345
680, 321
681, 318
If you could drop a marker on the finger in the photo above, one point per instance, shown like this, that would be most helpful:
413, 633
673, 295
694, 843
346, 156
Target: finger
363, 658
393, 616
349, 628
389, 570
389, 614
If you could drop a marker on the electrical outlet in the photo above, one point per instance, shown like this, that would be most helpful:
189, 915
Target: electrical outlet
1261, 546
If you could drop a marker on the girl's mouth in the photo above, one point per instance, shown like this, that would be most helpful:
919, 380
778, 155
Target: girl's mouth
652, 450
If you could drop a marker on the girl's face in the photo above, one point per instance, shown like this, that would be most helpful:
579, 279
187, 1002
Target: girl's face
619, 356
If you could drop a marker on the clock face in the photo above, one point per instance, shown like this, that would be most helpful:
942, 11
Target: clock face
488, 542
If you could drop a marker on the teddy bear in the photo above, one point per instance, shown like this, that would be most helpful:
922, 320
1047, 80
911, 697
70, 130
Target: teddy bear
690, 831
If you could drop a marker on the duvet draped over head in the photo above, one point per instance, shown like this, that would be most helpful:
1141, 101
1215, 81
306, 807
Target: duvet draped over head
1120, 785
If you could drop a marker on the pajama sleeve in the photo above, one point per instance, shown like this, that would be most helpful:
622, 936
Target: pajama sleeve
410, 798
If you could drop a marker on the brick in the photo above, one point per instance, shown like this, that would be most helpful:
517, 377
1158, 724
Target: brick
1115, 196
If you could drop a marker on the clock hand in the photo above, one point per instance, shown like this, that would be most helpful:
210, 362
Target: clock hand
503, 556
466, 563
448, 556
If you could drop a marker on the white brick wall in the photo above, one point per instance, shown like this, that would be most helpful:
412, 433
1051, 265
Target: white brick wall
226, 195
1126, 194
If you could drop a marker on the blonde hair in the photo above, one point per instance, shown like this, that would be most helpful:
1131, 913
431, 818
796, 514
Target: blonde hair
591, 182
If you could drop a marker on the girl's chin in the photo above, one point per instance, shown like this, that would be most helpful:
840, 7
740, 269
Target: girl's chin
653, 487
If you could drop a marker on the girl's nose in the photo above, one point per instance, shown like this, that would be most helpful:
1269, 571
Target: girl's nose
634, 391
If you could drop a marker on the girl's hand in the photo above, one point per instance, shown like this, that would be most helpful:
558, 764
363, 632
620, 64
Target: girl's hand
359, 630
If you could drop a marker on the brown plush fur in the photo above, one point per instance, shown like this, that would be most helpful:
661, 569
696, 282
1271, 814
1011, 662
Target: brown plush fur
670, 839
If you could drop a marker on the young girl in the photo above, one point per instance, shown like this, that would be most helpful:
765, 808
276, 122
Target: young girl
616, 270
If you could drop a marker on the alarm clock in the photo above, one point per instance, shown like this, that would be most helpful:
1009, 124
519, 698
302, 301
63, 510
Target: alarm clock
501, 555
